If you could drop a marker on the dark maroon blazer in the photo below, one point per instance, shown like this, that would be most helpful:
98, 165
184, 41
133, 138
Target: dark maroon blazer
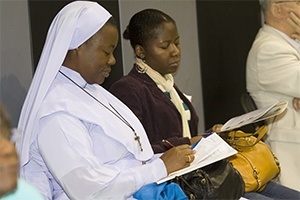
154, 109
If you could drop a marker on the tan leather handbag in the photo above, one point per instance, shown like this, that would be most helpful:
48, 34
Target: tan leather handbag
255, 161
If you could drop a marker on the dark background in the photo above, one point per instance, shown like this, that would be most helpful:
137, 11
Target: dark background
41, 14
226, 31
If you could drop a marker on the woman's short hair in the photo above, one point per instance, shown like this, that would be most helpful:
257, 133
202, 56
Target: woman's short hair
144, 25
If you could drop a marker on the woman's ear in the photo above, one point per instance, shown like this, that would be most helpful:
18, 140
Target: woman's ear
139, 52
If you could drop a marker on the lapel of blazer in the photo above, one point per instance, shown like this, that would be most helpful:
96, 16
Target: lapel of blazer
145, 79
273, 32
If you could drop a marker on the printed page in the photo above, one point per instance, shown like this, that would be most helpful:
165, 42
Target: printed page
254, 116
205, 147
209, 150
274, 111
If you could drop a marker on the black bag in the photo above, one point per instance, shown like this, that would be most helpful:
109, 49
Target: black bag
218, 180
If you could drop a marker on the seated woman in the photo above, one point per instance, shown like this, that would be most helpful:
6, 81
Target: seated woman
149, 86
79, 141
149, 90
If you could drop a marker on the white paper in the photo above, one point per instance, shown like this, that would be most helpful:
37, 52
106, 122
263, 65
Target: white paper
254, 116
209, 150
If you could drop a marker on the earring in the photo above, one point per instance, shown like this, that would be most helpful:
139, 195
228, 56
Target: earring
142, 58
141, 70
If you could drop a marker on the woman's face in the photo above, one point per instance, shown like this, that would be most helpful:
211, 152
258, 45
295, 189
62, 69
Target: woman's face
95, 56
162, 53
8, 166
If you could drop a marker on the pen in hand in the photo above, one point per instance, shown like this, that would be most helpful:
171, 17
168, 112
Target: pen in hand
168, 144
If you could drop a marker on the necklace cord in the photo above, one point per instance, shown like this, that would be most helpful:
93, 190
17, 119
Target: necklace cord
116, 113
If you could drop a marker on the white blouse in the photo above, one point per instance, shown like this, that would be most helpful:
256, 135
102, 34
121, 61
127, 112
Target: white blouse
83, 150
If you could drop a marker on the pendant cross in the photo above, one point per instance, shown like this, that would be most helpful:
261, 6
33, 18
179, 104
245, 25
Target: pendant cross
137, 138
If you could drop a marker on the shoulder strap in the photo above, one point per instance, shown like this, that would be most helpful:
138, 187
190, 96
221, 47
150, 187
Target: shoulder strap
235, 137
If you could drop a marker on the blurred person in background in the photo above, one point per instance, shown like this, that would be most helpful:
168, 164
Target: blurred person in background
11, 186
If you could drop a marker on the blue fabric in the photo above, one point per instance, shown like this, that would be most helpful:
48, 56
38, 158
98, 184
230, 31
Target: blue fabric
163, 191
273, 191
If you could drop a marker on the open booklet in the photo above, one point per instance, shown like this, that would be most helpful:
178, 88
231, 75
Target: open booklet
255, 116
213, 148
209, 150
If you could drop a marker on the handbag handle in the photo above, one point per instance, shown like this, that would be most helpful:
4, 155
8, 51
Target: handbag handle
235, 136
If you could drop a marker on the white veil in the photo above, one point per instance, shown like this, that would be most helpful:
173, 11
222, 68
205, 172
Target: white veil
71, 27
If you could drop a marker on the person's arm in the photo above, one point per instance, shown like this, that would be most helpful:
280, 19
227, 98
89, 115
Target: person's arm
294, 22
69, 153
67, 150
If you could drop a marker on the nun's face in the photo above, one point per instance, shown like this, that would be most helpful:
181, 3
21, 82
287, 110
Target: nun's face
95, 56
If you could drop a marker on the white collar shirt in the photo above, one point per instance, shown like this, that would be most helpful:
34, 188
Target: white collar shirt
83, 158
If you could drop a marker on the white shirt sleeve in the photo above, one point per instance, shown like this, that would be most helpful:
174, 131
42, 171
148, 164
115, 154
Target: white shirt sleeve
67, 150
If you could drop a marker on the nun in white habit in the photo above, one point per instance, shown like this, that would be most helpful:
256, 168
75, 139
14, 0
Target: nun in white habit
78, 140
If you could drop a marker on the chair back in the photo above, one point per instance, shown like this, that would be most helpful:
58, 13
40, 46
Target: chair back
249, 105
